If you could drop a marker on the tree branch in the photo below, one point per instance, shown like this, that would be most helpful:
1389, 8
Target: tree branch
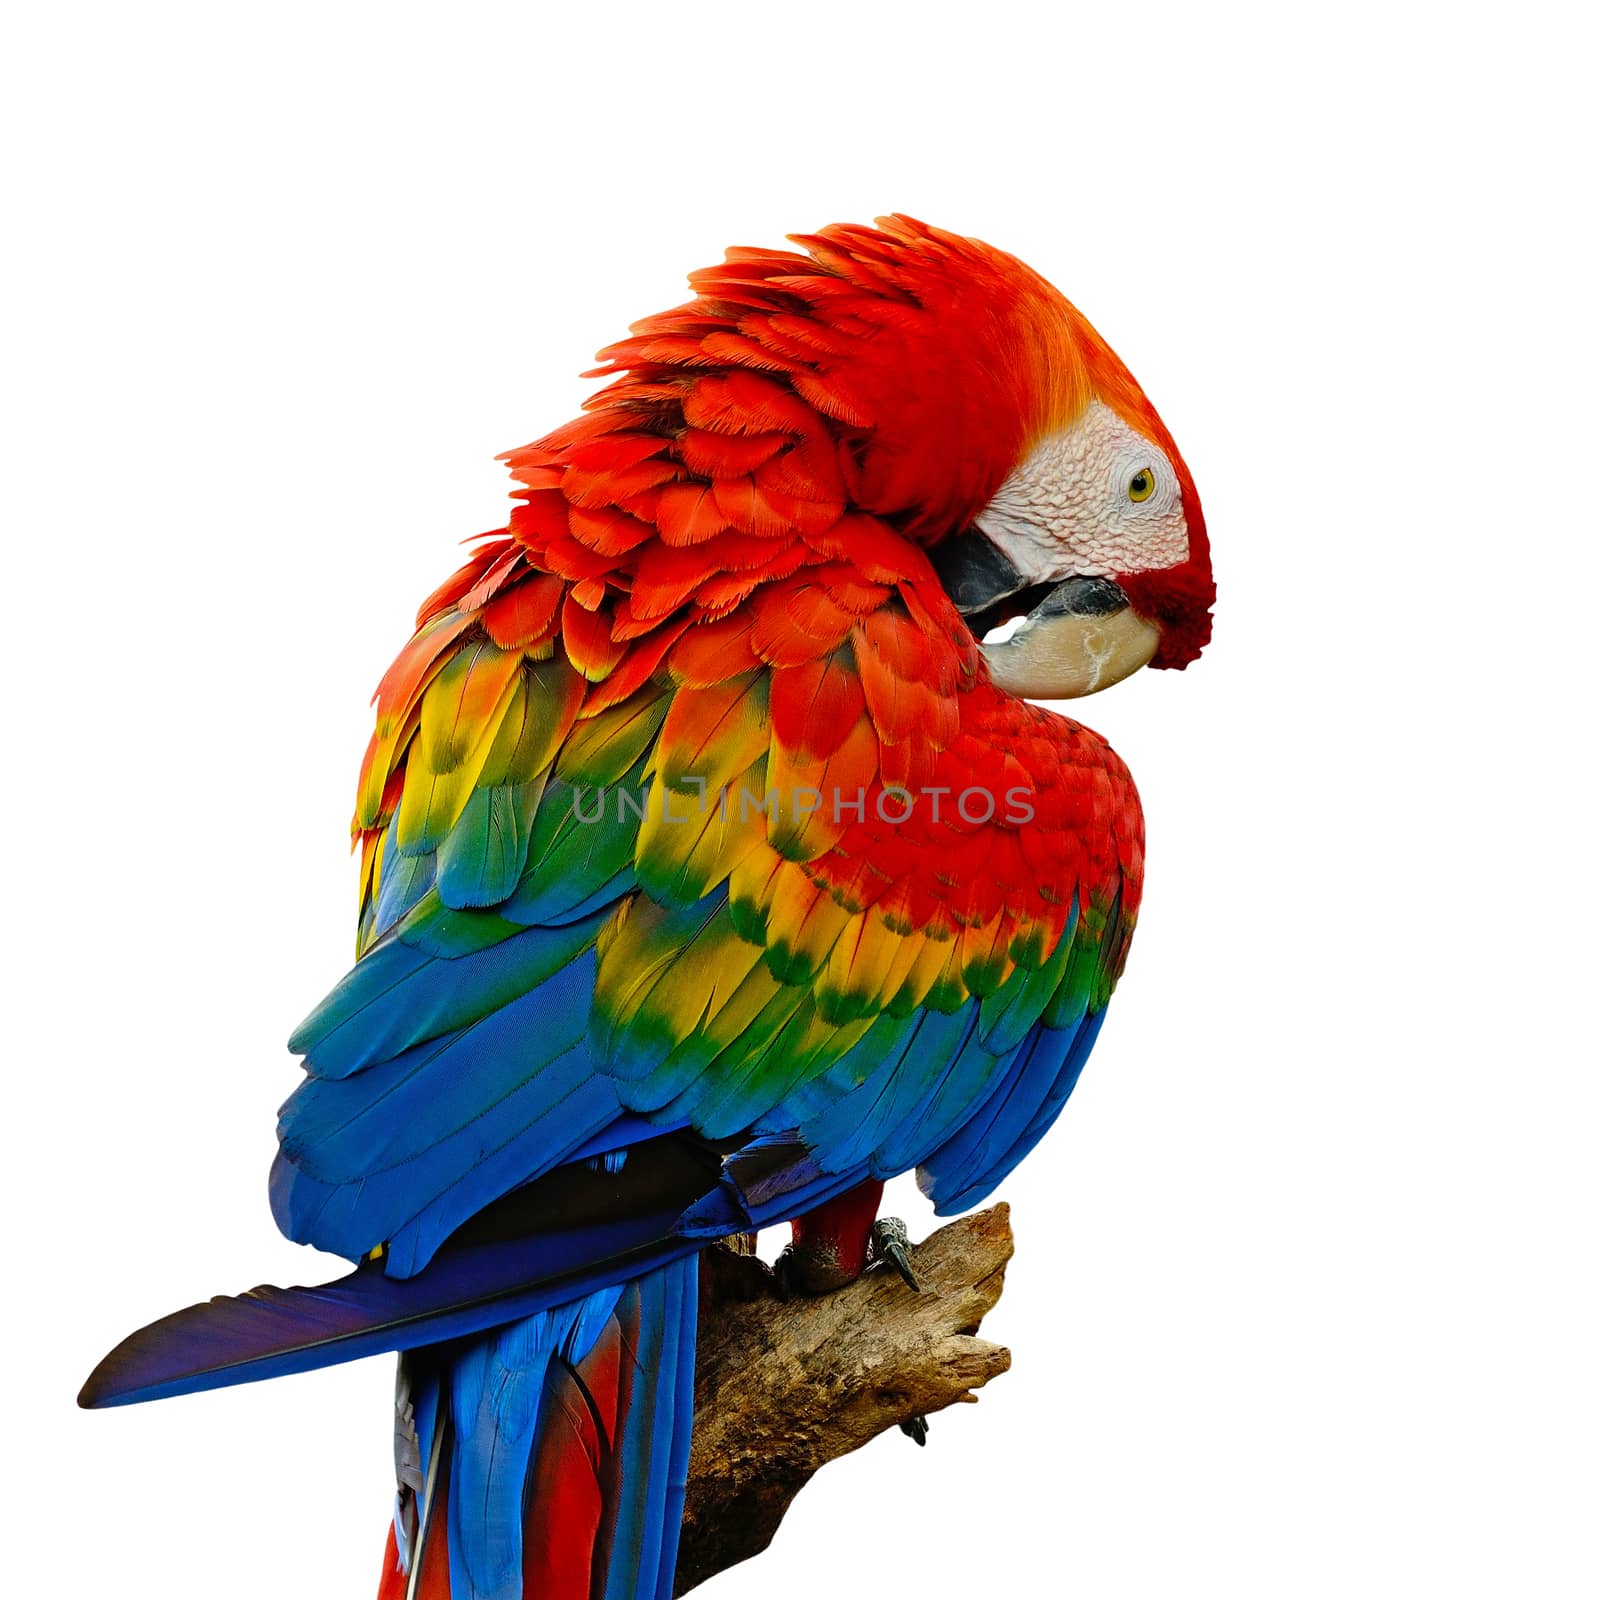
782, 1387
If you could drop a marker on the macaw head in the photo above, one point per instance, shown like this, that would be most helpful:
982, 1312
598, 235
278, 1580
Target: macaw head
895, 388
1007, 436
1091, 559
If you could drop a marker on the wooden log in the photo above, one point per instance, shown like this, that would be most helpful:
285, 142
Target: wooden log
785, 1385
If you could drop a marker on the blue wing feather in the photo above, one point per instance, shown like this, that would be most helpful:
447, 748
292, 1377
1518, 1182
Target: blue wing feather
443, 1128
398, 996
980, 1172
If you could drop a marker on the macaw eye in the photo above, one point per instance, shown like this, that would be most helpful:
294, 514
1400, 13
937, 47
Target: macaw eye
1141, 485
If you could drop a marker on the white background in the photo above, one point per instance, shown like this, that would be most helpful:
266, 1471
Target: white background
1304, 1297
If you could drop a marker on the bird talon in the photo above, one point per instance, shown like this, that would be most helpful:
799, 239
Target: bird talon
891, 1243
915, 1429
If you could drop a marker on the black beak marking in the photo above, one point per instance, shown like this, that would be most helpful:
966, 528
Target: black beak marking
988, 590
974, 573
1082, 597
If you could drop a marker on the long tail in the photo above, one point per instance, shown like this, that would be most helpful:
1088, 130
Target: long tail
546, 1459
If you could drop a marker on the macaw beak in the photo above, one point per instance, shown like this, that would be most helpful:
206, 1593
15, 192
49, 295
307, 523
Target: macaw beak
1076, 637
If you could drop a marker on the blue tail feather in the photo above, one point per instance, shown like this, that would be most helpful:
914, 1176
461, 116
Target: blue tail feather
496, 1392
496, 1384
651, 1450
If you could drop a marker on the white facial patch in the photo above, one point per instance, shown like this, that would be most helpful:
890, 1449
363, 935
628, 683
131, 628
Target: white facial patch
1078, 506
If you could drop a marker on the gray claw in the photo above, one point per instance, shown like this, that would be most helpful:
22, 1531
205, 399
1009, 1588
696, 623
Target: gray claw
915, 1428
890, 1242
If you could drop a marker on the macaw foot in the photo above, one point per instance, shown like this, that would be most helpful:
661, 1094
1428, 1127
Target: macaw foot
820, 1260
890, 1242
831, 1243
811, 1266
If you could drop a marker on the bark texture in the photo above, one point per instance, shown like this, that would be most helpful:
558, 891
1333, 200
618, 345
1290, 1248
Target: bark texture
784, 1386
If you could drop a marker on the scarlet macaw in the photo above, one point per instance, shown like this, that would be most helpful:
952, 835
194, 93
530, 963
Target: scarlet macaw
713, 872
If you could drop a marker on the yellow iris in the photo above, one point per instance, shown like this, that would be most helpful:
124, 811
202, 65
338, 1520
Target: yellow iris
1142, 484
